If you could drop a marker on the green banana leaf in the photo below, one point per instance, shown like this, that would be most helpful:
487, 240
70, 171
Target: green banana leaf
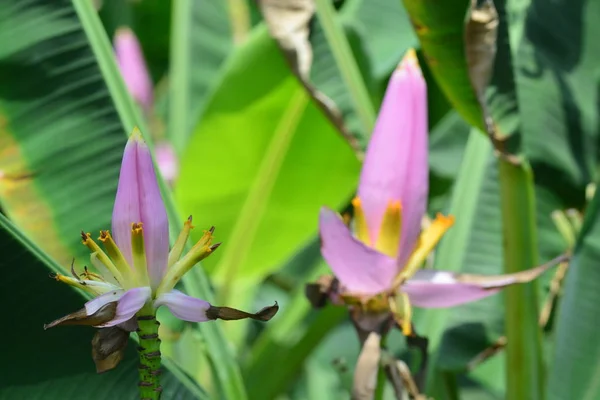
261, 163
62, 134
576, 360
440, 29
385, 29
379, 33
558, 100
201, 41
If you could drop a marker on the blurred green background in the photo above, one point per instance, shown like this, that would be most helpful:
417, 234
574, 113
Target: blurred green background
258, 157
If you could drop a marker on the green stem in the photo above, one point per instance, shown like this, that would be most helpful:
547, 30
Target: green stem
524, 362
381, 377
149, 350
346, 63
450, 385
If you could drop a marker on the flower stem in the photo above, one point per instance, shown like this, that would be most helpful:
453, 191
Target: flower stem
149, 350
525, 374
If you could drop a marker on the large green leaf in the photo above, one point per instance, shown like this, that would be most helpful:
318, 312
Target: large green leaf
441, 32
201, 41
576, 361
62, 134
385, 29
556, 60
260, 164
64, 114
326, 77
57, 363
378, 33
347, 64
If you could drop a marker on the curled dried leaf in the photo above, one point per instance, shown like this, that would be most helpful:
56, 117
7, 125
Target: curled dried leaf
500, 281
230, 314
80, 317
480, 44
108, 340
480, 41
108, 347
288, 22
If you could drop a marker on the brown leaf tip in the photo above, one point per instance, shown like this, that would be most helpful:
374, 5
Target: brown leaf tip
267, 313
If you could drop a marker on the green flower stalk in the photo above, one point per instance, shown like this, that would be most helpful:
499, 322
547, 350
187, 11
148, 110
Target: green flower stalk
137, 274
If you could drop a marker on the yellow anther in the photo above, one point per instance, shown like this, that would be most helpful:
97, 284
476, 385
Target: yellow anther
175, 253
102, 257
138, 253
206, 239
388, 240
427, 241
71, 281
93, 288
360, 223
116, 257
200, 251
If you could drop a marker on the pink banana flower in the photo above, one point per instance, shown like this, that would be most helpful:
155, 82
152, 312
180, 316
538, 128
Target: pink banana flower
378, 264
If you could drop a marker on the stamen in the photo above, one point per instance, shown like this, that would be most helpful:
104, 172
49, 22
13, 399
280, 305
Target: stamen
360, 223
94, 248
78, 283
200, 251
407, 316
91, 276
388, 240
116, 256
138, 252
427, 241
92, 283
175, 253
73, 273
402, 312
104, 272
